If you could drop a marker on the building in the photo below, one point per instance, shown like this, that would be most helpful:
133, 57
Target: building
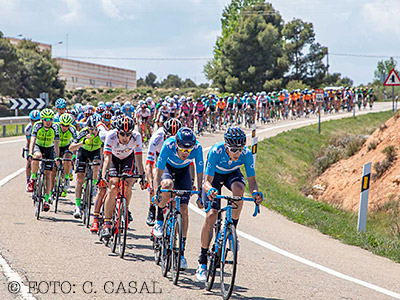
79, 74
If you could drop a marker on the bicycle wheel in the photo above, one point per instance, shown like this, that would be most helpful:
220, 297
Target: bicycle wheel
228, 262
177, 240
165, 250
213, 262
114, 228
39, 195
88, 203
57, 189
157, 250
122, 228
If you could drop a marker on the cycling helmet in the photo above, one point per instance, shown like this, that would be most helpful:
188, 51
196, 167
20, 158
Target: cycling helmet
88, 113
78, 107
91, 122
61, 103
107, 115
171, 126
118, 112
149, 99
235, 137
100, 110
185, 138
125, 124
74, 112
109, 104
101, 103
127, 104
66, 119
34, 115
47, 113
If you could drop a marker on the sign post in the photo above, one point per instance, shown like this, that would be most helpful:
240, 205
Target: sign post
392, 80
319, 98
362, 212
254, 144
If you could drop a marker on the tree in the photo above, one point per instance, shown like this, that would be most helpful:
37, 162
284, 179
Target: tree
140, 82
171, 81
189, 83
384, 67
304, 54
10, 67
39, 72
150, 79
251, 55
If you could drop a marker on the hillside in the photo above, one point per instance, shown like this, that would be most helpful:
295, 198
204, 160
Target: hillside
341, 183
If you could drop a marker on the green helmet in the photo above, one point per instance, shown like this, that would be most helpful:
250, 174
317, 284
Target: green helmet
66, 119
47, 113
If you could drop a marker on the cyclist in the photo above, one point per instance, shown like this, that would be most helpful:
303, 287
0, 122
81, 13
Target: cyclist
88, 144
221, 105
173, 172
238, 105
44, 143
67, 133
143, 117
170, 128
122, 152
223, 169
128, 109
34, 115
61, 107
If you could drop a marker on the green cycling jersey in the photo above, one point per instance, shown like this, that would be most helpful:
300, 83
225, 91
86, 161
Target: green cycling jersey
68, 136
45, 136
91, 144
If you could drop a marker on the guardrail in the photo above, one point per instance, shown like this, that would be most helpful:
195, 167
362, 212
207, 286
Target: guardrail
14, 121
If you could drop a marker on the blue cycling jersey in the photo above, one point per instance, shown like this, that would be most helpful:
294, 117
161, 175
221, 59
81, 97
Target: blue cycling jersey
128, 112
218, 161
169, 155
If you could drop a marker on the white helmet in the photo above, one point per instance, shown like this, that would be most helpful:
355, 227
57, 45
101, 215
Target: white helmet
127, 104
149, 99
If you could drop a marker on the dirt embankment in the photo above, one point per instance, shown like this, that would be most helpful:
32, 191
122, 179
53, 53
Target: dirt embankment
341, 183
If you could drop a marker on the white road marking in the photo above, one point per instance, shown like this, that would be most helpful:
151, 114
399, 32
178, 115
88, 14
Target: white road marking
306, 261
13, 141
11, 176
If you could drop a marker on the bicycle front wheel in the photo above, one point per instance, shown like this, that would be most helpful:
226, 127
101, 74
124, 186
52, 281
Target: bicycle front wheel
165, 250
39, 196
57, 189
213, 262
228, 262
122, 228
177, 240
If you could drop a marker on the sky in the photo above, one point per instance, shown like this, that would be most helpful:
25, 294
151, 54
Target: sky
120, 29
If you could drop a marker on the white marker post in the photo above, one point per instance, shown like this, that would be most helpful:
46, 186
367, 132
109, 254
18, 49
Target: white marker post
254, 144
362, 213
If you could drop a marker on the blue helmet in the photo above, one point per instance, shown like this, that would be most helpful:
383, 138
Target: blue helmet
61, 103
235, 137
34, 115
185, 138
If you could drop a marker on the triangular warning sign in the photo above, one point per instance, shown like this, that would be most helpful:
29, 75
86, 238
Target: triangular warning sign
392, 79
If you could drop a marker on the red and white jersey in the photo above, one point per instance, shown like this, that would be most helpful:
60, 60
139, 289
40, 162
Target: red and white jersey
144, 113
103, 130
155, 145
114, 147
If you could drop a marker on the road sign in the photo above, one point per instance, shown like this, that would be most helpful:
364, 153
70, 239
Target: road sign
319, 95
362, 212
393, 79
28, 103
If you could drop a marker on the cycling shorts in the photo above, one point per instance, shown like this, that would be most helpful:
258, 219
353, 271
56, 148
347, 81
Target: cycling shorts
64, 150
119, 166
222, 180
85, 156
181, 178
47, 153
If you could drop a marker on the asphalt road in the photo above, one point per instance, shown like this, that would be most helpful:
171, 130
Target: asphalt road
278, 259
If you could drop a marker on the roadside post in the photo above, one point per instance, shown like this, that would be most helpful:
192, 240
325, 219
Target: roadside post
392, 80
319, 98
254, 144
362, 212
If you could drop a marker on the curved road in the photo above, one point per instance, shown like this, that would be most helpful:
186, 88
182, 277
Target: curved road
278, 259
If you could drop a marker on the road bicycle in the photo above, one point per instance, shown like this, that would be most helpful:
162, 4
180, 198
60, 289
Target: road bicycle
40, 186
119, 221
60, 183
88, 188
168, 250
224, 251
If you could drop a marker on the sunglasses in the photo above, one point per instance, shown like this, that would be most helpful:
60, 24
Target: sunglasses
93, 128
183, 150
106, 120
48, 119
123, 134
62, 125
236, 150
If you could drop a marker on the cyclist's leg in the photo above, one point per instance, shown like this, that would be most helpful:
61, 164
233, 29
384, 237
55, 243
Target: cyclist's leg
235, 182
128, 166
80, 170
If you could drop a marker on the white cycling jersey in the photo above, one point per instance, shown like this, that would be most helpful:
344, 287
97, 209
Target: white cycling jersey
114, 147
155, 145
144, 113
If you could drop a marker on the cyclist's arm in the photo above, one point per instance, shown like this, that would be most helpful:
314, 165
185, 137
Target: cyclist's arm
139, 161
253, 186
57, 147
149, 174
75, 146
106, 164
157, 178
208, 179
32, 144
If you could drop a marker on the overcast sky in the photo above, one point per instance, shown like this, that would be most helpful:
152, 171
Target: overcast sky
189, 28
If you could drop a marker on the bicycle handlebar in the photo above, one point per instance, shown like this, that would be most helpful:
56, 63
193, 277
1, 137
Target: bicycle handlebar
180, 192
235, 198
43, 159
126, 175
